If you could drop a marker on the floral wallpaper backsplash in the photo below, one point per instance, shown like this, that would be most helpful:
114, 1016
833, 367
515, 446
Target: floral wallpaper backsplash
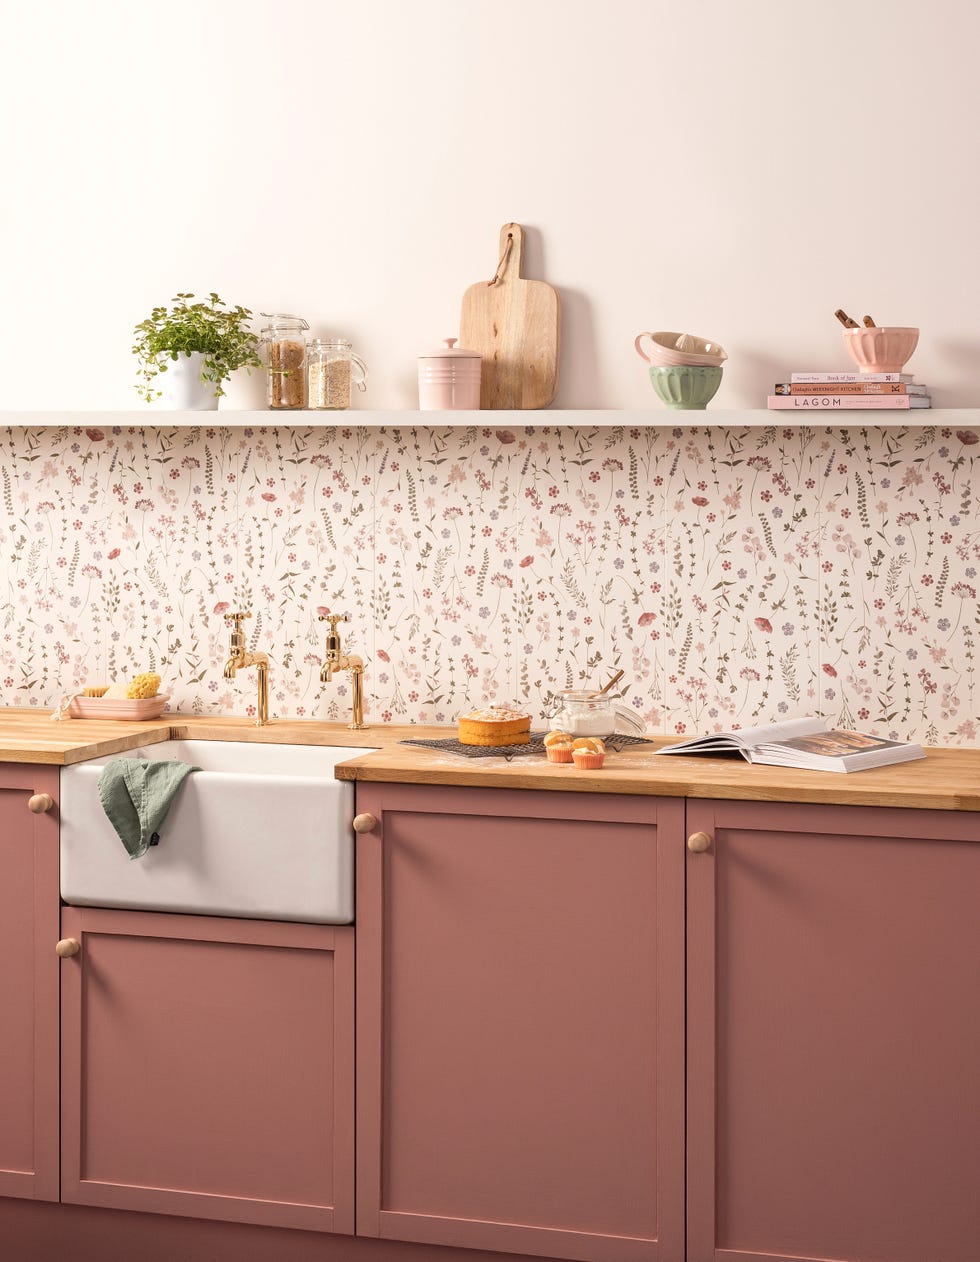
737, 576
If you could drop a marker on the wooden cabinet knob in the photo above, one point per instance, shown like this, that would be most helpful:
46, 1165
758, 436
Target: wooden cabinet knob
698, 843
365, 823
67, 947
40, 803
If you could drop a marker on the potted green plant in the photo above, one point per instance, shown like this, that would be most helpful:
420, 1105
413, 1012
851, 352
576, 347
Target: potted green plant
200, 344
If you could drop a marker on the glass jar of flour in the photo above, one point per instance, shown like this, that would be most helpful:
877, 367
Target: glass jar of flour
581, 712
331, 369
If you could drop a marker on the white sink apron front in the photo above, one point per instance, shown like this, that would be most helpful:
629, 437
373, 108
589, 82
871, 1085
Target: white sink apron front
261, 831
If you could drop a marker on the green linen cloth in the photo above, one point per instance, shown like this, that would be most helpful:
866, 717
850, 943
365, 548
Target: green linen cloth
136, 794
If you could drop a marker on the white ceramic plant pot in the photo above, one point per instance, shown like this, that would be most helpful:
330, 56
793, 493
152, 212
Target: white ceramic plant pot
245, 390
182, 387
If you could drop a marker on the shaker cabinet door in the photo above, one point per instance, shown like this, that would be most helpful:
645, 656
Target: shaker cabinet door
834, 1028
520, 1022
207, 1068
28, 981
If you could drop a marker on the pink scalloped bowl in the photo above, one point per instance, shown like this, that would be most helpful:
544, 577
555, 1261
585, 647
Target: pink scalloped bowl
119, 707
698, 351
883, 349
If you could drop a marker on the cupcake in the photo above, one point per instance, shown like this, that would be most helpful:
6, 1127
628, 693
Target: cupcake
588, 753
558, 747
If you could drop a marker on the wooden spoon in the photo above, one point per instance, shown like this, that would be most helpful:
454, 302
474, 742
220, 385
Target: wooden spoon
615, 680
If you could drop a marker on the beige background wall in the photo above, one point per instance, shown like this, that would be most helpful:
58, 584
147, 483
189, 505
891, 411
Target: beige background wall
736, 170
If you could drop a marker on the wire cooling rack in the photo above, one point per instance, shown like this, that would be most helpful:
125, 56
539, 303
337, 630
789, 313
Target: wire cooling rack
452, 745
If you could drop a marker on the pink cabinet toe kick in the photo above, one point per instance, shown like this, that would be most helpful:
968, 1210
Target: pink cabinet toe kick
36, 1232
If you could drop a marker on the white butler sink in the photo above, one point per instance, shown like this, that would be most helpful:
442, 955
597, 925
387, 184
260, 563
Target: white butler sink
261, 831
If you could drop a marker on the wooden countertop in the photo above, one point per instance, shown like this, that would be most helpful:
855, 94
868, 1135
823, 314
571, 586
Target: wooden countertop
946, 779
32, 735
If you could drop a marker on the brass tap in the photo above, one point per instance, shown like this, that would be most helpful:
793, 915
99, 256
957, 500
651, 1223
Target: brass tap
335, 659
241, 657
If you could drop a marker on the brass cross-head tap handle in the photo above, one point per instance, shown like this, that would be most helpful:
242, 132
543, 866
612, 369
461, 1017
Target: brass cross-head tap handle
333, 619
333, 635
235, 620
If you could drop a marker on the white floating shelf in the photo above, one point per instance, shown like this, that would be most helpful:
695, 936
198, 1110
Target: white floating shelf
745, 418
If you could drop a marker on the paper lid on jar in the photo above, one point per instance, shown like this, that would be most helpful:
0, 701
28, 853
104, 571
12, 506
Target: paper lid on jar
449, 350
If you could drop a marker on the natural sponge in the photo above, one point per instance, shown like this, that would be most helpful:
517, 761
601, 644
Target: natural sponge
145, 685
140, 686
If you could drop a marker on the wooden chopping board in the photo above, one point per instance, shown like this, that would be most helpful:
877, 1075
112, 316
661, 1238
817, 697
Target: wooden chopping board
513, 323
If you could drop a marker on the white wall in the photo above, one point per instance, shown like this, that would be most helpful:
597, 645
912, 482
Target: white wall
737, 170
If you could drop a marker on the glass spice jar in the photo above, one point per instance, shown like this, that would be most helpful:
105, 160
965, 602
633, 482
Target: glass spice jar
283, 351
332, 367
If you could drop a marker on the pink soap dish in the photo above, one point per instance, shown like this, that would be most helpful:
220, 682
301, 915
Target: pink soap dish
118, 707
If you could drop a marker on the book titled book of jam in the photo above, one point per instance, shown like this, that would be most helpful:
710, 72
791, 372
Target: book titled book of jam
831, 378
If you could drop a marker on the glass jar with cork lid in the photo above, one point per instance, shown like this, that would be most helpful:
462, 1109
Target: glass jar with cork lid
332, 368
283, 351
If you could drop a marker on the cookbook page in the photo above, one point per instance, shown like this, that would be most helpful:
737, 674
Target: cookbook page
776, 733
747, 737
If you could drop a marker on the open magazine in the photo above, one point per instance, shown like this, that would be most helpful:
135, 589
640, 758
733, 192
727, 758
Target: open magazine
805, 743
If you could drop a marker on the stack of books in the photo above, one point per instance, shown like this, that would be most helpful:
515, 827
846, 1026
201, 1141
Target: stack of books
841, 391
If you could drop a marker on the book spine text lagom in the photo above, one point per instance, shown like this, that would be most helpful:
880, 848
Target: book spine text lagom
843, 402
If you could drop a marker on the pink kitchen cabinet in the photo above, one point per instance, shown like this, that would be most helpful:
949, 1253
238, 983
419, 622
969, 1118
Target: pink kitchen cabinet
520, 1022
833, 985
592, 1027
208, 1068
28, 982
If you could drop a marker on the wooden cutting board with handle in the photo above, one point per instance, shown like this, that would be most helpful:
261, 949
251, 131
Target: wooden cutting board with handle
513, 323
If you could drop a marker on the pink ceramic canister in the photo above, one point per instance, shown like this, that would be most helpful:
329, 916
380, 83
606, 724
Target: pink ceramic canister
449, 379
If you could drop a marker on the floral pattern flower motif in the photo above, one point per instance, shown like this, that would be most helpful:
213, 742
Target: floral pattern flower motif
736, 576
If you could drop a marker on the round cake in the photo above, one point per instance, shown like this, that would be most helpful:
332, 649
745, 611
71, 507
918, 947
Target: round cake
496, 725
